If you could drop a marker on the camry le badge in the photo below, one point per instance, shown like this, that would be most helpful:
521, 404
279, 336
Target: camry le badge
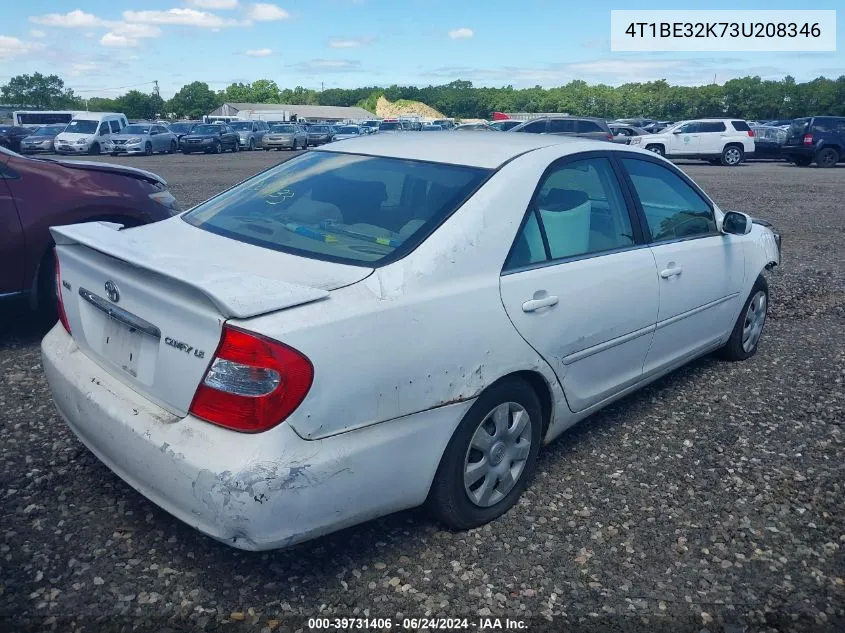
112, 292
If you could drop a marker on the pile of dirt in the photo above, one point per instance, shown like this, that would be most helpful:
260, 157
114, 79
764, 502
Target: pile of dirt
405, 107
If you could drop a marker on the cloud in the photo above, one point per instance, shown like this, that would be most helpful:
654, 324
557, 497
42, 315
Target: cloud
125, 35
213, 4
327, 66
12, 47
259, 52
75, 19
265, 12
350, 43
37, 33
462, 33
180, 17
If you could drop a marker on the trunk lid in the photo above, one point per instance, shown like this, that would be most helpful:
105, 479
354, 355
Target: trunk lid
151, 314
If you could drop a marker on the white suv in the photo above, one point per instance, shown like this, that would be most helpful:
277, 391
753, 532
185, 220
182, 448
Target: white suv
719, 141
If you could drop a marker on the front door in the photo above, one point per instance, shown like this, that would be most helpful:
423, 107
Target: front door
579, 285
700, 271
685, 140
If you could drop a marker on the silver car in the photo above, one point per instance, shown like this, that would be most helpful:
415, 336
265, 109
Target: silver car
343, 132
142, 138
41, 140
250, 133
285, 136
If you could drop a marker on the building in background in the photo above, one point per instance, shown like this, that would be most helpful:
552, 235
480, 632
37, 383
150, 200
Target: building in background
286, 112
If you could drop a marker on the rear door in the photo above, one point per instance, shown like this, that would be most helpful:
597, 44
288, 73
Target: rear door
579, 284
713, 136
700, 270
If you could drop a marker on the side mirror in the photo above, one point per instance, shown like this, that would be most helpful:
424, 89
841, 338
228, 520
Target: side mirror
736, 223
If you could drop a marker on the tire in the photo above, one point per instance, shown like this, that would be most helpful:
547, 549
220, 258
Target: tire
252, 145
802, 161
732, 156
218, 147
449, 499
48, 303
114, 153
236, 147
95, 150
715, 161
657, 149
748, 329
173, 147
148, 149
185, 152
295, 145
827, 157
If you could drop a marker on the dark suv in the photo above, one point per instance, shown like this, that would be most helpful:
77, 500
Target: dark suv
567, 126
817, 139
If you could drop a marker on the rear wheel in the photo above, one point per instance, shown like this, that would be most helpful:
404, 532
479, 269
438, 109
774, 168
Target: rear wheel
172, 147
732, 156
252, 145
236, 147
490, 458
748, 328
827, 157
657, 149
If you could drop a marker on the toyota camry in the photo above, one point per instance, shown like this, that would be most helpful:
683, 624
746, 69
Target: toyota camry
389, 322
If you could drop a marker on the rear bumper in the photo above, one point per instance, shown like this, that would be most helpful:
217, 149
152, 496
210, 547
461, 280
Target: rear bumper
798, 151
253, 492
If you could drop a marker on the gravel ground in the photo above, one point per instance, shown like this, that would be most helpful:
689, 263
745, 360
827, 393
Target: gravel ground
710, 501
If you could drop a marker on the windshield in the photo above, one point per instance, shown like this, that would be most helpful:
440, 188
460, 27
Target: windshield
181, 127
49, 130
389, 125
245, 126
136, 129
340, 207
284, 129
207, 129
349, 129
319, 129
81, 126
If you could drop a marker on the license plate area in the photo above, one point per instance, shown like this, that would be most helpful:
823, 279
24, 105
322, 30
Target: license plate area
122, 345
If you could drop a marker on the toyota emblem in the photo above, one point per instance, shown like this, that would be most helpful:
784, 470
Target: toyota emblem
112, 292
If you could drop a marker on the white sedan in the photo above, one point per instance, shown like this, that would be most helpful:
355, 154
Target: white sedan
390, 321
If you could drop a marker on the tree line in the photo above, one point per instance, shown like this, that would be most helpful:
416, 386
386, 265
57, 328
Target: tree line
747, 97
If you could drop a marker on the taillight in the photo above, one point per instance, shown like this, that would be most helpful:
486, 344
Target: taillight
751, 133
808, 139
60, 304
253, 383
609, 137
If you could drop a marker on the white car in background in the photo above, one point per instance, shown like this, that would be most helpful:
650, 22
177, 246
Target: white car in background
349, 334
718, 141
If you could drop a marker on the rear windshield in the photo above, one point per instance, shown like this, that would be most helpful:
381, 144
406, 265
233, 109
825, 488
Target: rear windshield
347, 208
740, 126
799, 127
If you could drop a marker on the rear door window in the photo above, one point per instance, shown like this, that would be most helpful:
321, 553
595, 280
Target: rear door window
561, 126
712, 126
115, 126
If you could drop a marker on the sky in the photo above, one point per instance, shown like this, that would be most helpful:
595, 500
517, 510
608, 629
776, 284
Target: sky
105, 47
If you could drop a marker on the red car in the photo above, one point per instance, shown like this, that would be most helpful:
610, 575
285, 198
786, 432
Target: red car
37, 193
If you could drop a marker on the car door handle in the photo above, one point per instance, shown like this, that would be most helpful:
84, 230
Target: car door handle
666, 273
535, 304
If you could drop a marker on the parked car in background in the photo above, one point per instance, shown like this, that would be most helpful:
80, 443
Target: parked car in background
475, 127
623, 133
211, 138
777, 123
370, 124
431, 128
12, 135
343, 132
533, 280
180, 128
719, 141
285, 136
657, 126
505, 125
87, 133
42, 139
142, 139
585, 127
37, 193
446, 124
390, 125
250, 133
817, 139
320, 134
768, 141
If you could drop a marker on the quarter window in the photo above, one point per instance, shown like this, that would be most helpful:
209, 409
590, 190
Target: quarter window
588, 126
578, 210
672, 208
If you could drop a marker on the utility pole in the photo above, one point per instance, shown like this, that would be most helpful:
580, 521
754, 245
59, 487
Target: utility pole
322, 87
155, 88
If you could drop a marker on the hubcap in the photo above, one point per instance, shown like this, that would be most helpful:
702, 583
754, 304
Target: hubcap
732, 156
656, 150
755, 319
497, 454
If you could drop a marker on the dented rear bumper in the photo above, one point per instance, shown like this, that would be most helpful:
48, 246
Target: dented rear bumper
253, 492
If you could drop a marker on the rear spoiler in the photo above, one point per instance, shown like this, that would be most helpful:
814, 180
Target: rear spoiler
234, 293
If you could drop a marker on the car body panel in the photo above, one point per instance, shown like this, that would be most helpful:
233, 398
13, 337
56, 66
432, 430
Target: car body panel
12, 243
205, 141
283, 139
159, 137
685, 140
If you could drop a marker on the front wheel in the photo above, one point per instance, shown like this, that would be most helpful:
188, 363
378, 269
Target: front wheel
732, 156
148, 149
251, 145
827, 157
95, 149
172, 147
490, 458
236, 147
745, 336
657, 149
218, 147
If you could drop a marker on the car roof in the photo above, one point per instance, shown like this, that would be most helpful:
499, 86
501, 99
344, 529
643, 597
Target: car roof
482, 150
